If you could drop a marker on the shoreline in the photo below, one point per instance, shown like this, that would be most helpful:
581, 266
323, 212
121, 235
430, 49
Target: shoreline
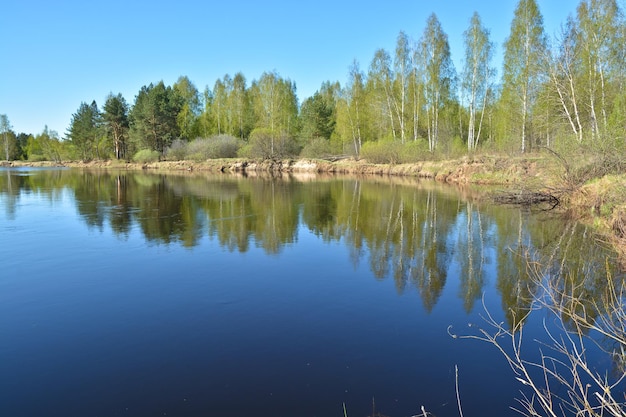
484, 170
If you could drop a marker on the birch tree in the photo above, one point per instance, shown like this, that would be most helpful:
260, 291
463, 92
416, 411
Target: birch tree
438, 74
354, 97
598, 37
477, 76
564, 67
275, 103
524, 53
380, 85
5, 127
416, 89
402, 69
187, 117
219, 105
239, 103
115, 116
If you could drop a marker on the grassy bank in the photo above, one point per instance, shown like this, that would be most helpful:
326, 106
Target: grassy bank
477, 170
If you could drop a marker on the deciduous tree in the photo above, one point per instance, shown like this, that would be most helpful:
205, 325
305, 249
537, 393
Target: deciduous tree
439, 75
275, 103
524, 63
115, 116
187, 117
5, 128
240, 108
351, 109
402, 71
477, 76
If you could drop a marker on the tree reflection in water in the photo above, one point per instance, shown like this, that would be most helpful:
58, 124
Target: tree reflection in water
414, 232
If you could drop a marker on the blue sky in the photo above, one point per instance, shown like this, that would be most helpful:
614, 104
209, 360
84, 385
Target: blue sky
57, 54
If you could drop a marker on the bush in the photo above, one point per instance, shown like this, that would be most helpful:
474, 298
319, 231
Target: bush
36, 157
215, 147
264, 144
316, 148
177, 151
201, 149
384, 151
145, 156
415, 151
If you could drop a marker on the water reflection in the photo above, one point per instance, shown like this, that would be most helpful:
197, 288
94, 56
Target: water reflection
114, 280
413, 232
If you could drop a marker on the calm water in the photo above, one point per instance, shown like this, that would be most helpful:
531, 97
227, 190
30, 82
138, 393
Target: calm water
138, 294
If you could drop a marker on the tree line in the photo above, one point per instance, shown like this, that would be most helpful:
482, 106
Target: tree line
561, 92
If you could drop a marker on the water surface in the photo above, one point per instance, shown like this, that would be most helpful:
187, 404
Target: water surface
140, 294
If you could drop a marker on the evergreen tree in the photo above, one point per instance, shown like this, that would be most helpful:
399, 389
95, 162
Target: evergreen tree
154, 117
85, 130
318, 115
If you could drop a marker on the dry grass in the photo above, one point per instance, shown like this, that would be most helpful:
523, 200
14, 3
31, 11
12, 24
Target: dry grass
563, 381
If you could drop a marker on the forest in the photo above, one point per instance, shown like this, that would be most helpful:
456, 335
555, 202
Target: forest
566, 93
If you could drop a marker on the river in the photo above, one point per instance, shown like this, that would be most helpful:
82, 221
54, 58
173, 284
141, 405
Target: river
149, 294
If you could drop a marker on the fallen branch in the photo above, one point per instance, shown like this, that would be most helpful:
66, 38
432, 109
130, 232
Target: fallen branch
526, 198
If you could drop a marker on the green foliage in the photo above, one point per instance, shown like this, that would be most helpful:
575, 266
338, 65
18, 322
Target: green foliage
438, 76
145, 156
392, 151
316, 148
415, 151
220, 146
10, 145
85, 131
524, 66
186, 120
477, 76
570, 95
264, 144
46, 146
201, 149
317, 114
177, 151
115, 116
387, 151
154, 117
275, 104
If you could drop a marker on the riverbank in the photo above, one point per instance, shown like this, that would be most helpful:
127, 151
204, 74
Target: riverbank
600, 201
478, 170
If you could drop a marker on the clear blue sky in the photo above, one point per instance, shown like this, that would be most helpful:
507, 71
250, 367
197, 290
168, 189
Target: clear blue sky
56, 54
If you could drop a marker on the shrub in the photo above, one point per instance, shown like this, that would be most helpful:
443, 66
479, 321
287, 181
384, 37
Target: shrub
177, 151
415, 151
316, 148
264, 144
215, 147
201, 149
37, 157
384, 151
145, 156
